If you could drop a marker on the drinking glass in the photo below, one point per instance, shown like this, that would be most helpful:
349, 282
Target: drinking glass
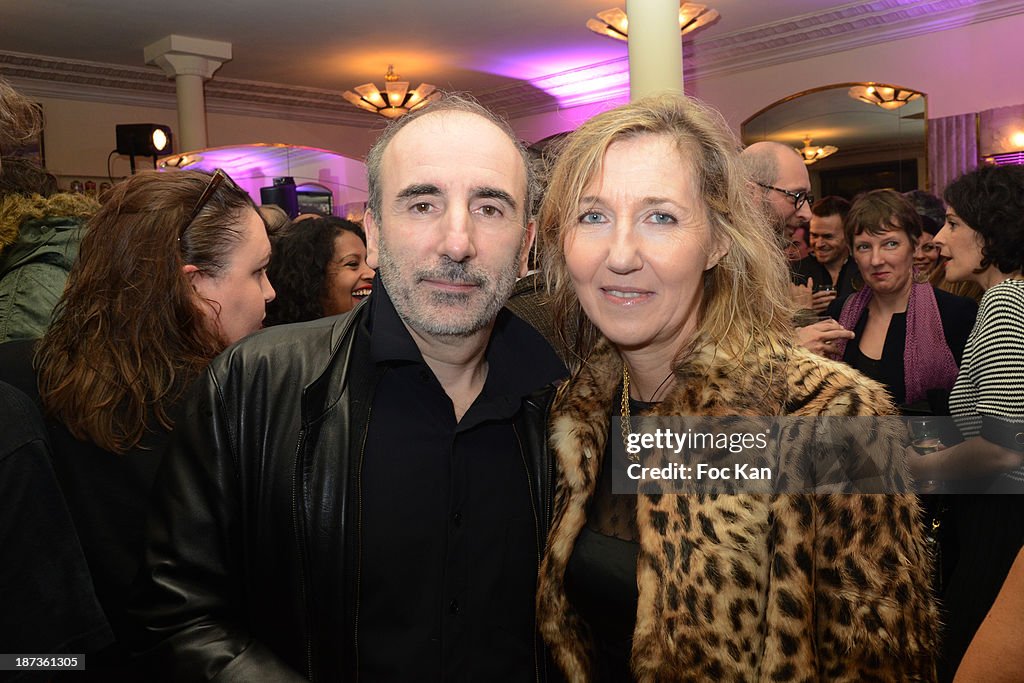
925, 439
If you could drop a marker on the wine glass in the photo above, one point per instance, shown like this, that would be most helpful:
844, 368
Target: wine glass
925, 439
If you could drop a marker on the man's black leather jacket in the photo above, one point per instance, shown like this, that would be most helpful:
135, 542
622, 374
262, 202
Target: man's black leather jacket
251, 565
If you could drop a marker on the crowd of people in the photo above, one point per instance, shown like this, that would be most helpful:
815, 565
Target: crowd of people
404, 478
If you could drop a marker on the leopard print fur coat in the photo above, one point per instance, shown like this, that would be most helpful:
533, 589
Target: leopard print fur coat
746, 587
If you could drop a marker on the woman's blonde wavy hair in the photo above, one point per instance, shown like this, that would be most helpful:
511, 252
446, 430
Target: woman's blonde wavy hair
746, 301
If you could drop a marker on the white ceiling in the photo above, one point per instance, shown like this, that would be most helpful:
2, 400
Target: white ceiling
472, 45
292, 59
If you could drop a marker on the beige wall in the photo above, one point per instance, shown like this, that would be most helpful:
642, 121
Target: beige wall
80, 134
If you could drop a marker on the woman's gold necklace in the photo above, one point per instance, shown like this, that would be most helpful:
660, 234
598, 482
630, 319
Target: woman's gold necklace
624, 405
624, 419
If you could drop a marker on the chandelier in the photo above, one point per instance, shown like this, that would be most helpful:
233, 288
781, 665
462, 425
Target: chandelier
614, 24
812, 154
396, 100
884, 96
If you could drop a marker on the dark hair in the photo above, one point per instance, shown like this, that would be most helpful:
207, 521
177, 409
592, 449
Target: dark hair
20, 121
990, 200
298, 270
880, 211
20, 118
831, 206
930, 208
450, 102
24, 176
128, 334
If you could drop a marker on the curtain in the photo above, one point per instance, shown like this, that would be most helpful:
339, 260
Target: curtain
952, 149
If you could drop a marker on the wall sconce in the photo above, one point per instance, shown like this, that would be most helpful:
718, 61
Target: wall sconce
142, 139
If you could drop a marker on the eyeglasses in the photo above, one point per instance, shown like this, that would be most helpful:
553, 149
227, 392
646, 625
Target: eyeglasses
218, 178
798, 197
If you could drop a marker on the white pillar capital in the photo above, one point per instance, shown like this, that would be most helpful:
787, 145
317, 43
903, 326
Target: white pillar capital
190, 62
184, 56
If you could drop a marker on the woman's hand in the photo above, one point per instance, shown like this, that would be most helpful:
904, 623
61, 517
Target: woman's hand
803, 295
975, 457
920, 471
820, 336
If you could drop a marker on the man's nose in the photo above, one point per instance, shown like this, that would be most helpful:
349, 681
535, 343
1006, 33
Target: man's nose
458, 241
804, 212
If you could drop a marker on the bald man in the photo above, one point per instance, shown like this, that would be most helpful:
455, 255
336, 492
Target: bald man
785, 188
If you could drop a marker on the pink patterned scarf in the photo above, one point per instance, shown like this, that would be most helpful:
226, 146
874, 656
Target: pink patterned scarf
927, 361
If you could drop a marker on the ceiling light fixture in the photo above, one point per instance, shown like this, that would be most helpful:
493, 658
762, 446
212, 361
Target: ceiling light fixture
812, 154
396, 100
884, 96
614, 24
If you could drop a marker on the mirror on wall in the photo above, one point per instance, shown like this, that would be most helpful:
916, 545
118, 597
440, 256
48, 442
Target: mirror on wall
877, 131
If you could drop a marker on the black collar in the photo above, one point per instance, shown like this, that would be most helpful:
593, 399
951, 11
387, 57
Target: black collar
519, 359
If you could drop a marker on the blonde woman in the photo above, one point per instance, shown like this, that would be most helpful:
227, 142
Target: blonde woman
676, 292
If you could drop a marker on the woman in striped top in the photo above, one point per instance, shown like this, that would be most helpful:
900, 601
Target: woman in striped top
983, 242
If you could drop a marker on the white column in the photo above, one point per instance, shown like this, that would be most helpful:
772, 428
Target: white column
655, 47
191, 62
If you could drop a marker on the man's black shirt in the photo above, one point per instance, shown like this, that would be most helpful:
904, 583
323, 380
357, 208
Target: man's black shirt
810, 267
447, 531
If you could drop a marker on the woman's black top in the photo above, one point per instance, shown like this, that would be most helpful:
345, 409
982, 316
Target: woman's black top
957, 314
600, 579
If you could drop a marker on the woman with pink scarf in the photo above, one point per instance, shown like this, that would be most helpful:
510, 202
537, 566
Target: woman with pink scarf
908, 335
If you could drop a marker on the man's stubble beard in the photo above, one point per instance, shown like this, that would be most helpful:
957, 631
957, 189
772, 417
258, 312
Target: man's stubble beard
837, 256
434, 313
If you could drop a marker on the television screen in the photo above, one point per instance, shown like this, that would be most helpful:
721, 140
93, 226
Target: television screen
316, 201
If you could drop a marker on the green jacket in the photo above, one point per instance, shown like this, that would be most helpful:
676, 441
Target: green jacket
34, 265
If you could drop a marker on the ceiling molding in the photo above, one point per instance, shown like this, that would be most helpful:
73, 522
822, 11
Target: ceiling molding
41, 76
846, 27
840, 28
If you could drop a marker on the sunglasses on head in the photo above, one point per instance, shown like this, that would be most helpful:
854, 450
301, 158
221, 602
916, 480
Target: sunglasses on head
218, 178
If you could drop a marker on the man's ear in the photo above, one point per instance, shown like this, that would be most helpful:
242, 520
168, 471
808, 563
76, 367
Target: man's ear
372, 238
524, 257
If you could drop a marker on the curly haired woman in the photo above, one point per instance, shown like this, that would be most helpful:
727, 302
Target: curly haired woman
172, 269
319, 269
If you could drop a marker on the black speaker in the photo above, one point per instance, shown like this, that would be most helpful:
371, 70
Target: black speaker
283, 194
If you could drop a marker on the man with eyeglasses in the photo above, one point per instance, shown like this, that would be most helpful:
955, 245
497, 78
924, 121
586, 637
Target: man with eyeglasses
784, 186
366, 496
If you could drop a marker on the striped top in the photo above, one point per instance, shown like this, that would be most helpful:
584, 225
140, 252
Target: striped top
991, 379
